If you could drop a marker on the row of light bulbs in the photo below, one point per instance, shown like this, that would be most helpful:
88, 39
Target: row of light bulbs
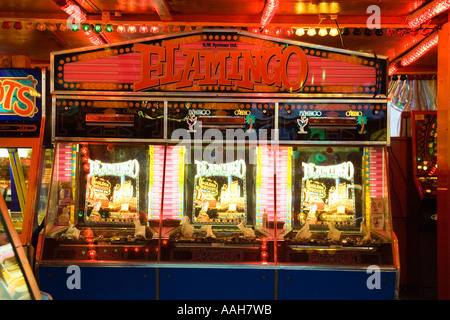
312, 32
277, 31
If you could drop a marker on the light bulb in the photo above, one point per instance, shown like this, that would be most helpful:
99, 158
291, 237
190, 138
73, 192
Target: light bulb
323, 32
300, 32
333, 32
311, 32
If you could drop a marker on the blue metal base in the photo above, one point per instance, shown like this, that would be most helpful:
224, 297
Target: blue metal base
215, 282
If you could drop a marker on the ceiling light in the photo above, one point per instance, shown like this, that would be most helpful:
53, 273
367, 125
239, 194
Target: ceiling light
311, 32
426, 13
379, 32
323, 32
300, 32
333, 32
72, 10
269, 11
109, 28
393, 68
425, 46
98, 28
154, 29
93, 38
288, 31
17, 25
143, 28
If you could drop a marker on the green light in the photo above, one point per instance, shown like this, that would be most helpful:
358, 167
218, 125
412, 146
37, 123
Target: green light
86, 27
109, 28
98, 28
75, 27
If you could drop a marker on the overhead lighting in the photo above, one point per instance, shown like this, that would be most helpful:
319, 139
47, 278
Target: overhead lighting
266, 31
323, 32
393, 68
425, 46
109, 28
131, 29
154, 29
300, 32
379, 32
93, 38
72, 10
356, 32
427, 12
288, 31
98, 28
333, 32
143, 28
18, 25
277, 31
269, 11
311, 32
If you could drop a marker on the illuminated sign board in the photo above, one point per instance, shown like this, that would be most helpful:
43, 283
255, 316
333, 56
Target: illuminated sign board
328, 193
344, 170
220, 193
112, 191
20, 102
240, 68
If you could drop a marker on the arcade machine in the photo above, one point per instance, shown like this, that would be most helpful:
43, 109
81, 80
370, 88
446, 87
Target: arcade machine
417, 153
22, 119
177, 159
225, 209
340, 204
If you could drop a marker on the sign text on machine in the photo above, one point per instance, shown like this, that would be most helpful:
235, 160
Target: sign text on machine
240, 68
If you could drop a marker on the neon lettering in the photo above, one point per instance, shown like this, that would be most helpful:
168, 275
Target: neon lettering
17, 98
344, 170
242, 69
129, 168
206, 169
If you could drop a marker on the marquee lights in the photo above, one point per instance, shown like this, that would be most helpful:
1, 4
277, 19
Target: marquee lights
420, 50
428, 12
269, 11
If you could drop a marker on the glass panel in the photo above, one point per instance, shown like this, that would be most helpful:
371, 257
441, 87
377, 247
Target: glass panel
14, 169
13, 283
222, 219
99, 204
339, 202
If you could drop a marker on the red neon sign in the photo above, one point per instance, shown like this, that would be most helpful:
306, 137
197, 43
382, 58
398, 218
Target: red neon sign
240, 68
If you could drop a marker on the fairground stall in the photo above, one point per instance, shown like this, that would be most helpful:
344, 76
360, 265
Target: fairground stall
22, 118
218, 164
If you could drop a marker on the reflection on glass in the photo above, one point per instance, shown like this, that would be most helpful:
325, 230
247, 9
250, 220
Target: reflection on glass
14, 169
12, 282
